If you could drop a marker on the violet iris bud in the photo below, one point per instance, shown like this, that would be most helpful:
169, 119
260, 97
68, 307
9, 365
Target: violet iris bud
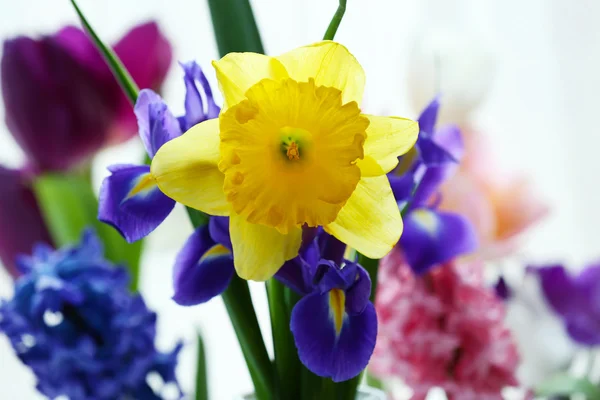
62, 102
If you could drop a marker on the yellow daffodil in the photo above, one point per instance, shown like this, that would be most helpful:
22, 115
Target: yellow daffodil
290, 148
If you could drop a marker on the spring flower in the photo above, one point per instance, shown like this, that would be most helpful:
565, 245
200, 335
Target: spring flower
431, 236
444, 329
129, 198
73, 321
290, 148
334, 324
18, 208
574, 299
78, 106
500, 206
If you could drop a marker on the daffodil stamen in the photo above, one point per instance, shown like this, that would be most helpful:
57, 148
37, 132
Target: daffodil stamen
293, 152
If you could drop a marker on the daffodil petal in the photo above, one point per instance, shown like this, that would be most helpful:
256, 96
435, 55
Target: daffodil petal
329, 64
370, 221
260, 250
237, 72
388, 138
186, 170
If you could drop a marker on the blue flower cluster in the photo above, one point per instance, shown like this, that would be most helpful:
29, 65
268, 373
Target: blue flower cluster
73, 321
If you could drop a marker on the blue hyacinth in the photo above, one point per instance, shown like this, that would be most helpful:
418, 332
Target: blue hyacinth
73, 321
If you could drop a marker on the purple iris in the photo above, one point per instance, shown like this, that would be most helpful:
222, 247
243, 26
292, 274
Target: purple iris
334, 324
130, 200
430, 236
575, 298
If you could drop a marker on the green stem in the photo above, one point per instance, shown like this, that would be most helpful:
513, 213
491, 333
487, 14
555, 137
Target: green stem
241, 312
197, 217
234, 26
335, 21
287, 363
372, 267
114, 63
201, 378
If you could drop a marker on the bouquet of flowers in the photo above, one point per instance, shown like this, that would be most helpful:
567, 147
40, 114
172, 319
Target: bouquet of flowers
370, 232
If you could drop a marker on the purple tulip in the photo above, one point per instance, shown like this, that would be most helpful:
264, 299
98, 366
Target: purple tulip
21, 223
62, 102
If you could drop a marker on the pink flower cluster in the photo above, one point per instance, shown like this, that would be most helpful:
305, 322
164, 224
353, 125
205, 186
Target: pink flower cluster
444, 329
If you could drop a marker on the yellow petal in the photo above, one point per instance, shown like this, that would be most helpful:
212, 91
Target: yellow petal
330, 64
261, 250
388, 138
186, 169
237, 72
370, 221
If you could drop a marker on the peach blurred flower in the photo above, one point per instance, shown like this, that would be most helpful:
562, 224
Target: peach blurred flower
500, 205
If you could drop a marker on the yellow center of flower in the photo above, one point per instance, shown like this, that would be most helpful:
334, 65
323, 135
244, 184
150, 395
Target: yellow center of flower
289, 153
337, 307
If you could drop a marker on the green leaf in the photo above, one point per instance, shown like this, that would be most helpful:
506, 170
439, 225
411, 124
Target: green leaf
201, 378
568, 385
372, 267
69, 206
335, 21
114, 63
241, 312
287, 363
234, 26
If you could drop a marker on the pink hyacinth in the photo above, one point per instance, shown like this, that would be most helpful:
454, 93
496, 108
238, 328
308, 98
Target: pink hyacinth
500, 206
444, 329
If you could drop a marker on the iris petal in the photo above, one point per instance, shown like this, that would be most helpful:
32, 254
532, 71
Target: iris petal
131, 202
329, 64
156, 124
372, 233
429, 115
432, 237
321, 349
186, 169
388, 138
203, 269
261, 250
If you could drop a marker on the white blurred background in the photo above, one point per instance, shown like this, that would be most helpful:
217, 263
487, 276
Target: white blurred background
525, 73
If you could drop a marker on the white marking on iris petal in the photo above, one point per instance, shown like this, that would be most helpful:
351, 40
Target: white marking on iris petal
155, 381
48, 282
426, 220
170, 391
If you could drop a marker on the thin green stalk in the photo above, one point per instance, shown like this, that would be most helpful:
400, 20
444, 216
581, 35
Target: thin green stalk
201, 376
287, 364
241, 312
335, 21
114, 63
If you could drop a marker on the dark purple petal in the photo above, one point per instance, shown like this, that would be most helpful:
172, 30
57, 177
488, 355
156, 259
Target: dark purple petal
357, 296
330, 276
21, 222
219, 231
203, 269
147, 55
324, 351
431, 237
502, 289
156, 123
195, 111
584, 328
428, 116
332, 248
450, 139
131, 202
430, 183
560, 290
402, 186
57, 109
298, 273
431, 153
